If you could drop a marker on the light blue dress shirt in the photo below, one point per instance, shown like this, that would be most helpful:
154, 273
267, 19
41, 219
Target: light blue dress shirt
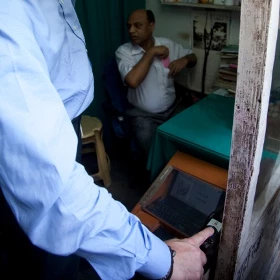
46, 80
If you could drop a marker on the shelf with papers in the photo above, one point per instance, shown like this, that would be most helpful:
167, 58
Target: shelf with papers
227, 72
203, 6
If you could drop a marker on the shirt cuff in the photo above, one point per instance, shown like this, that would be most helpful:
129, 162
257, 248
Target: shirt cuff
159, 260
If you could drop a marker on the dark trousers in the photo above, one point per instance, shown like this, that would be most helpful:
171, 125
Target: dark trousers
76, 124
19, 257
143, 124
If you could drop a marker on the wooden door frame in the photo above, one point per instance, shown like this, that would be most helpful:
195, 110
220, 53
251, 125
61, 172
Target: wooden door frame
258, 34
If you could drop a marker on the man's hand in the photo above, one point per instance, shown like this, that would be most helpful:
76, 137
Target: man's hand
189, 259
139, 72
177, 65
160, 51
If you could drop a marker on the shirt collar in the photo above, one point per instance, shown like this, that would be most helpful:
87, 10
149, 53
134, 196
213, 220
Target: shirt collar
138, 50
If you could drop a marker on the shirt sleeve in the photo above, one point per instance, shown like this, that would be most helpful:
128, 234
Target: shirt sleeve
125, 61
180, 51
52, 197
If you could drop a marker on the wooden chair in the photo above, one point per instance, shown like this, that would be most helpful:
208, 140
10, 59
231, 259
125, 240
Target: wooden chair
91, 130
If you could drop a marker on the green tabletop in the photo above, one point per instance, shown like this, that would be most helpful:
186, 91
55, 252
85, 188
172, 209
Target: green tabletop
203, 130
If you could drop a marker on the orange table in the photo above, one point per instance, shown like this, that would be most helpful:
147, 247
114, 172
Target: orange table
200, 169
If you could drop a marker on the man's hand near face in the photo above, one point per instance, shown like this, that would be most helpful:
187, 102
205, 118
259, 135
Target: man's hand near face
160, 51
138, 73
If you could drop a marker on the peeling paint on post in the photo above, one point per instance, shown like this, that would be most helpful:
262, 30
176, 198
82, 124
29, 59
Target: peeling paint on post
258, 33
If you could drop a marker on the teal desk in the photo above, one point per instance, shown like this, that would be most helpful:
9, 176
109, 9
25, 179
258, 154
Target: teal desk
203, 130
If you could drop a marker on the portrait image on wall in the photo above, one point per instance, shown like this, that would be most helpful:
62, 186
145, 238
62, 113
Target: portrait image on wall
202, 25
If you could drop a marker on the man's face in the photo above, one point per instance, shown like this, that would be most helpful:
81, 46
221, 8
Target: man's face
139, 28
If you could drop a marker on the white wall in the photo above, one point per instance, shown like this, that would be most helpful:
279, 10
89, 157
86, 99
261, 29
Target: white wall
171, 22
174, 22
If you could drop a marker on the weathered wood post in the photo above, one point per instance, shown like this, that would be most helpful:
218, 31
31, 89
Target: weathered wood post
258, 34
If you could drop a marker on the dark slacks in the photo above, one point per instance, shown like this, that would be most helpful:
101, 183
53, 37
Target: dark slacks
143, 124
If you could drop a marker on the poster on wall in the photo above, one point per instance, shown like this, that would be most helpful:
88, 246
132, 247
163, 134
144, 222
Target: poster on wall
210, 27
202, 23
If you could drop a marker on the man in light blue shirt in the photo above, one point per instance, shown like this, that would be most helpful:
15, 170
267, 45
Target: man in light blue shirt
46, 81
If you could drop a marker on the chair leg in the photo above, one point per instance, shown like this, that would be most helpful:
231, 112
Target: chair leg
103, 166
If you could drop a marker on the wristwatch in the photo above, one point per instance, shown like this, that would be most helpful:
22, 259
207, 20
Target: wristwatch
170, 271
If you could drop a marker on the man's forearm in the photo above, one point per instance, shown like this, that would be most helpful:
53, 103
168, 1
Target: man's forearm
191, 60
139, 72
178, 65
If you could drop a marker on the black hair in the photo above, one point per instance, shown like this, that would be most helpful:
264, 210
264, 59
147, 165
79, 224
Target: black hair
150, 16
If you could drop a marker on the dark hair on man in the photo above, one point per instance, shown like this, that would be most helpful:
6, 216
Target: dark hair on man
150, 16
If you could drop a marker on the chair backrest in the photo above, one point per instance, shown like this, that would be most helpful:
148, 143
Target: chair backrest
115, 87
118, 103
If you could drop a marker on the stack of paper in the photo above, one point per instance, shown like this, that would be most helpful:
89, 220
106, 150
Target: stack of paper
227, 73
